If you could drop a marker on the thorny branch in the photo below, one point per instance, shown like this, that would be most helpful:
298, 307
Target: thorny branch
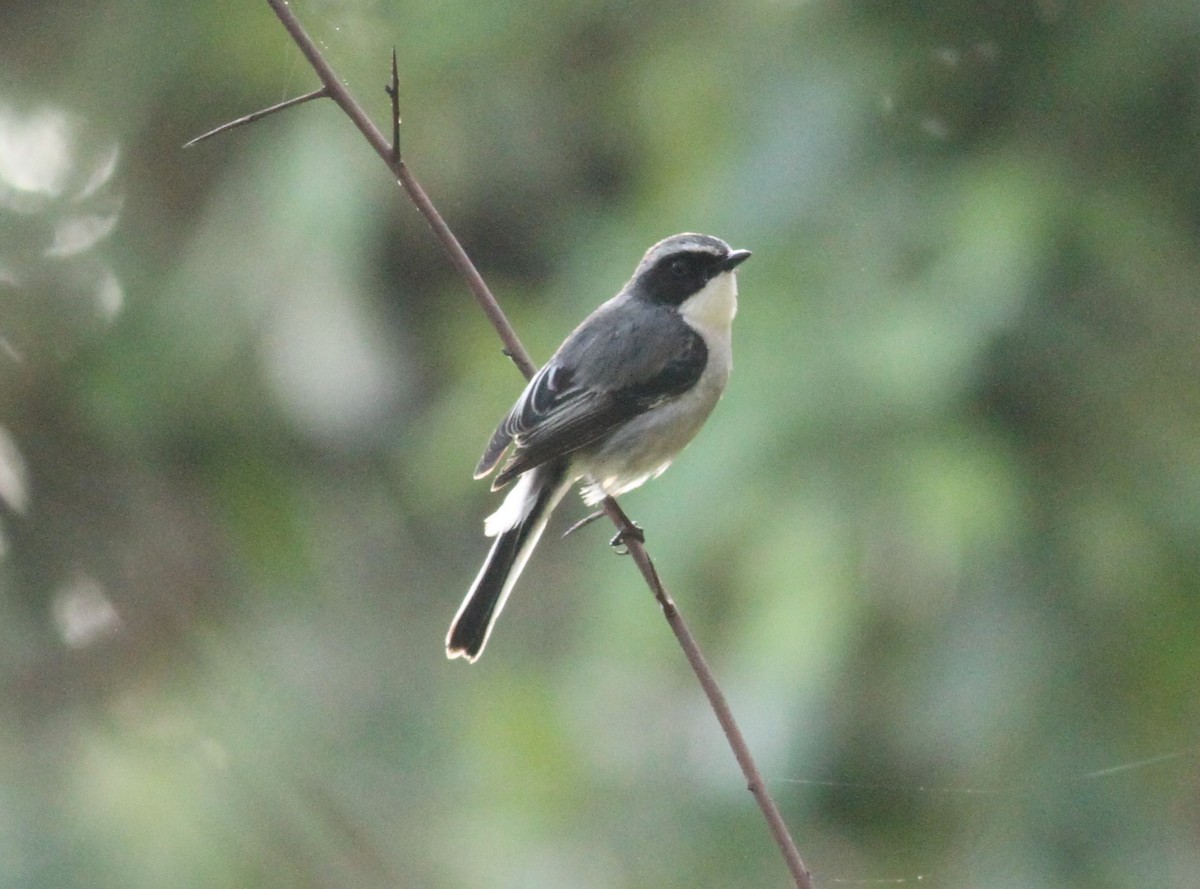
628, 533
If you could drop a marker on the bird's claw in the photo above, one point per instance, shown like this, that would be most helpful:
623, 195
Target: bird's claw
620, 542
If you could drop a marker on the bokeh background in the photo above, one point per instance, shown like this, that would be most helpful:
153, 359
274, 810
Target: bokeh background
941, 540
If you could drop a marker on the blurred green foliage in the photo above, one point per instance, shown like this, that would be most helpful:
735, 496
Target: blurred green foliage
941, 540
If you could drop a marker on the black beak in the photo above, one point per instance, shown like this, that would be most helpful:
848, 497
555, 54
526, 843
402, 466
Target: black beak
734, 259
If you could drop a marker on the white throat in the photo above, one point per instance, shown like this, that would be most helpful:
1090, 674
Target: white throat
710, 311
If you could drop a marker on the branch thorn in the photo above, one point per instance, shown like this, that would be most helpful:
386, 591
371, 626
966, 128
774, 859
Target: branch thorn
393, 90
259, 115
583, 523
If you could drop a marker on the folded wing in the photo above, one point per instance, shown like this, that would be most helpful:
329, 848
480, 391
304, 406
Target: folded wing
603, 375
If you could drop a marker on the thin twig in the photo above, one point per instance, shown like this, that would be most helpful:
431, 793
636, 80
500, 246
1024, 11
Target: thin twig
631, 536
259, 115
628, 532
458, 256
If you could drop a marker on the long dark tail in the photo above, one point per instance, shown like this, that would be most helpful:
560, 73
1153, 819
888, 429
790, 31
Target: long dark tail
521, 519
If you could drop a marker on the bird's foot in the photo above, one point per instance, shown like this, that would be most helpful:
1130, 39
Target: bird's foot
621, 541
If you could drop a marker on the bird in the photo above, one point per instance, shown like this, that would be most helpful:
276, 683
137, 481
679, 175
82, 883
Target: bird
614, 405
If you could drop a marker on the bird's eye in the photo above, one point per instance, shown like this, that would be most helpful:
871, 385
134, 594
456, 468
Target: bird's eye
679, 268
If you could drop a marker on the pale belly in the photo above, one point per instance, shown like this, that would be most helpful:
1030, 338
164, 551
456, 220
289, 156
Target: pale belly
645, 447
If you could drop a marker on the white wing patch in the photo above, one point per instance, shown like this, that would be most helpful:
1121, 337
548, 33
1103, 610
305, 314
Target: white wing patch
515, 508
